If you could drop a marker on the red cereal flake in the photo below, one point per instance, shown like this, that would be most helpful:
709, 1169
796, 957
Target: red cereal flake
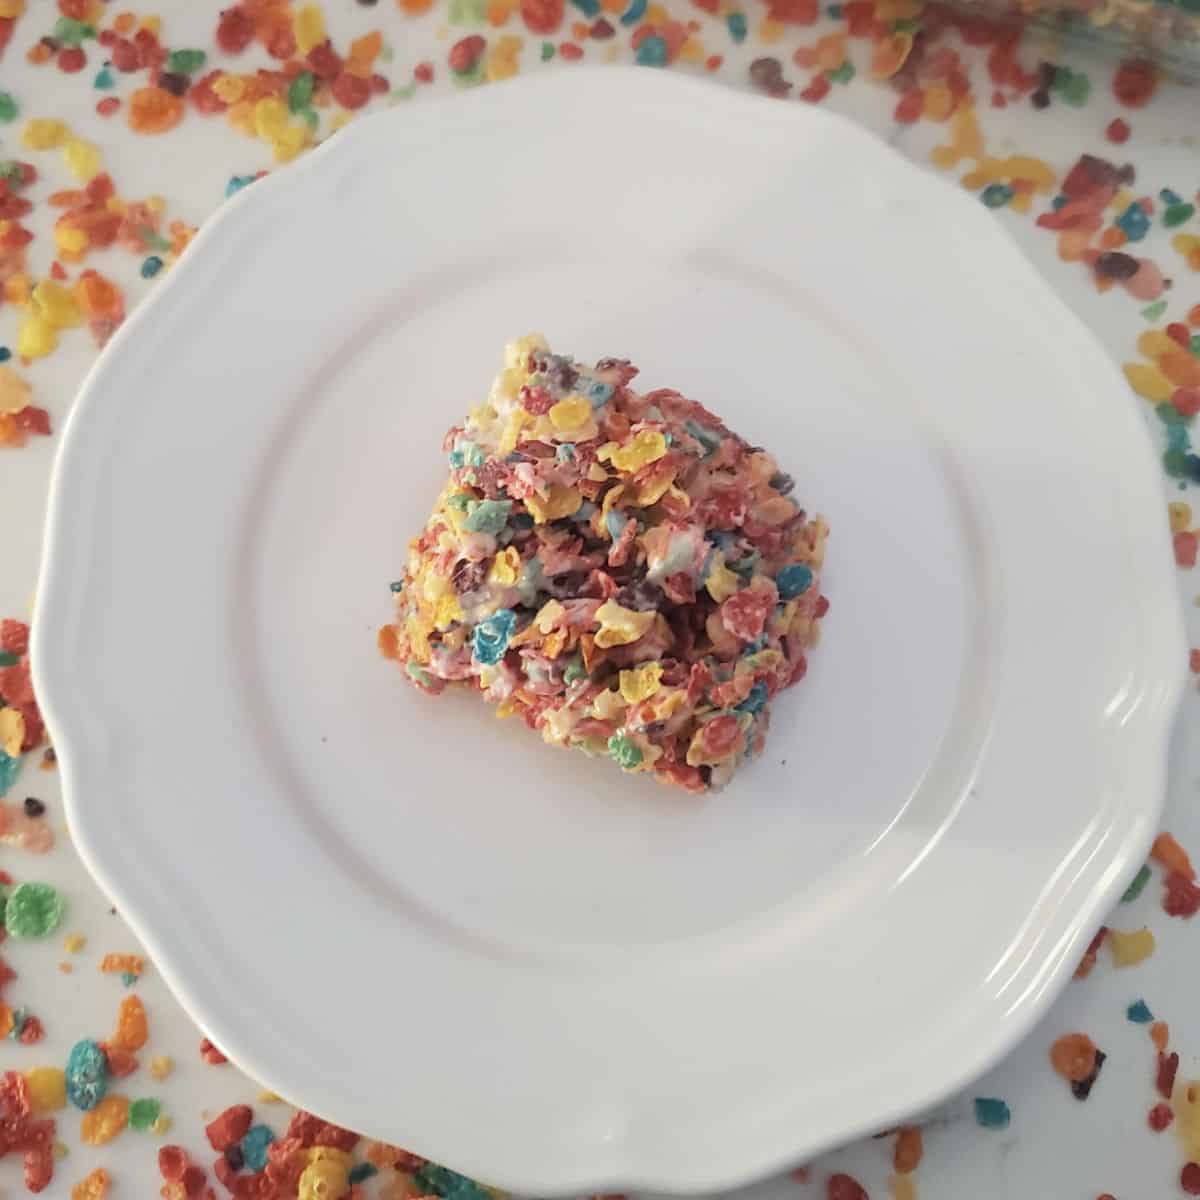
1135, 82
1181, 897
108, 106
229, 1128
351, 91
211, 1054
1186, 544
235, 30
542, 16
71, 59
1164, 1081
14, 636
1117, 131
423, 72
845, 1187
32, 1032
909, 107
20, 1134
1160, 1116
1189, 1179
172, 1162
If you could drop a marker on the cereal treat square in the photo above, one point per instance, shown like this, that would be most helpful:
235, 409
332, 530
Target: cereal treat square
616, 568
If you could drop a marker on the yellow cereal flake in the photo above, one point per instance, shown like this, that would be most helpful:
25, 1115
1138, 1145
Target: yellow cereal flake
570, 413
647, 446
43, 133
1154, 343
270, 118
82, 159
11, 9
12, 731
7, 1020
15, 393
267, 1097
308, 25
640, 683
1129, 949
619, 626
1180, 513
161, 1066
162, 1124
721, 583
36, 337
562, 502
1149, 382
56, 305
74, 942
506, 567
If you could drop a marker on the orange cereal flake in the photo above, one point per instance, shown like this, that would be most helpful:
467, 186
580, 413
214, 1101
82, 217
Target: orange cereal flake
1073, 1057
909, 1149
122, 964
132, 1027
1167, 851
154, 110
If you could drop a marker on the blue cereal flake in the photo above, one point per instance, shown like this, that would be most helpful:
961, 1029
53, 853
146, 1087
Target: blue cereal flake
488, 516
1134, 222
652, 52
9, 767
151, 266
492, 635
735, 22
237, 182
756, 701
87, 1075
254, 1147
992, 1114
441, 1181
1139, 1014
794, 580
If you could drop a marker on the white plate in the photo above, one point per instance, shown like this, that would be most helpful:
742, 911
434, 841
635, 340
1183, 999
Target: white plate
423, 923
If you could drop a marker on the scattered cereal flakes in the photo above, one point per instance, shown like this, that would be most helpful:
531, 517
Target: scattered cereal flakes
1129, 949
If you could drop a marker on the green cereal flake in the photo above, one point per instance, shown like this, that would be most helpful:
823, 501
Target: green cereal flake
185, 62
33, 910
1134, 890
8, 108
143, 1113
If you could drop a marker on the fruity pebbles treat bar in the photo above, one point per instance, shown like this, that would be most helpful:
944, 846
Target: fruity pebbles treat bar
618, 569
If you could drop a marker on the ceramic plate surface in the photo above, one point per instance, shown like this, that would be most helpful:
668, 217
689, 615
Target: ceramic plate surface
423, 923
